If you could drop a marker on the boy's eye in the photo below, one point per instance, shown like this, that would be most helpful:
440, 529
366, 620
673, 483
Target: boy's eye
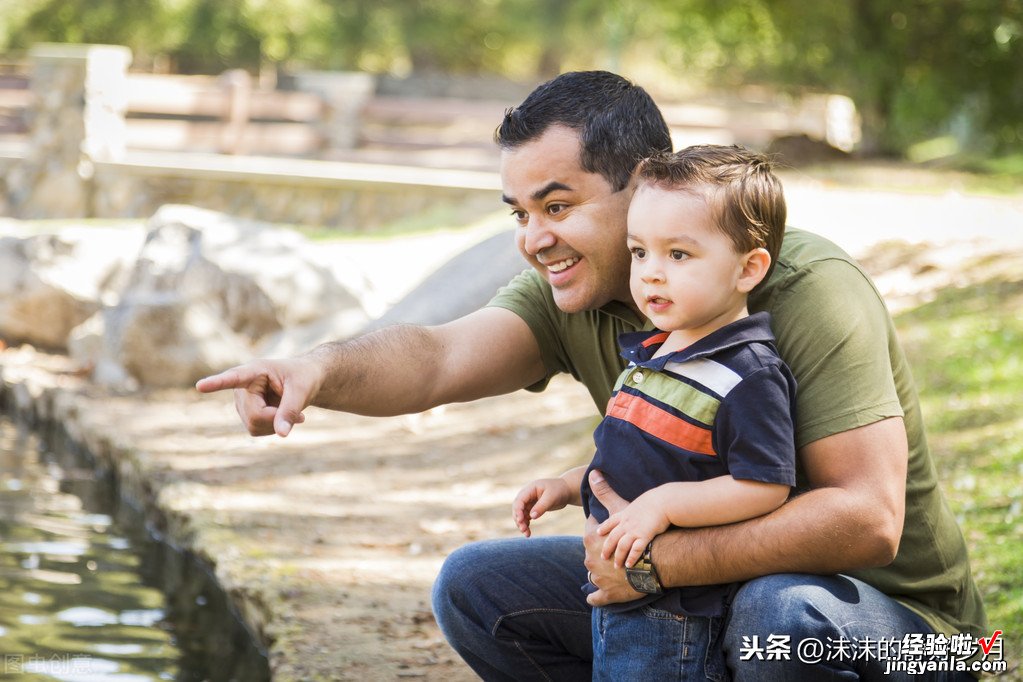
638, 252
678, 255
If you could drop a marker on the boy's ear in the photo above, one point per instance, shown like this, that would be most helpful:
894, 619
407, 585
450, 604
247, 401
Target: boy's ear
755, 265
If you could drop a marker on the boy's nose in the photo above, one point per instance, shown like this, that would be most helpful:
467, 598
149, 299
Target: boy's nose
651, 273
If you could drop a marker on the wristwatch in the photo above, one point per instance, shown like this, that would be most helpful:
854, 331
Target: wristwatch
643, 576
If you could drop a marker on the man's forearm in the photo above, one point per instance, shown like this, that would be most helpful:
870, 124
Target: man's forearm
839, 540
385, 373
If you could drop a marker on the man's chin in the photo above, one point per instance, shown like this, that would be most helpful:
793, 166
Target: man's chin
572, 302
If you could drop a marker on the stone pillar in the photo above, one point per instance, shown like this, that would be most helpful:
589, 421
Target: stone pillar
346, 92
80, 97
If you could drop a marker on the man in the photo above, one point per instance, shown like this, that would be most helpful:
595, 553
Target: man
836, 561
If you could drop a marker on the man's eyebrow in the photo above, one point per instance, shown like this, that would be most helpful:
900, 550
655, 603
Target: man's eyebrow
539, 194
552, 186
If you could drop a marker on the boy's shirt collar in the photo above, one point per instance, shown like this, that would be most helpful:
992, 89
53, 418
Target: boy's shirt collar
639, 347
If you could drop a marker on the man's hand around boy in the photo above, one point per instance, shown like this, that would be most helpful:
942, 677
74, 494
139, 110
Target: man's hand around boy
543, 494
630, 530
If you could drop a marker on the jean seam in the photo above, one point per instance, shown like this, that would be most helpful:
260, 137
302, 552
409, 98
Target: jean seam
497, 625
535, 664
566, 612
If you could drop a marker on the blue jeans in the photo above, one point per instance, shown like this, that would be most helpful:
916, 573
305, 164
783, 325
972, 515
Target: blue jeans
513, 610
651, 644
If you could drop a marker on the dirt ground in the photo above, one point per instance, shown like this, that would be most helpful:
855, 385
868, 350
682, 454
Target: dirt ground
332, 537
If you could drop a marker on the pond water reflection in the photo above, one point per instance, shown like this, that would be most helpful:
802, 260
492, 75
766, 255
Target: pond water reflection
75, 601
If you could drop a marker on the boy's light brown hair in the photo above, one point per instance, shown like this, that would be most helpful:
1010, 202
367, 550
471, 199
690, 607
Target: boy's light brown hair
746, 197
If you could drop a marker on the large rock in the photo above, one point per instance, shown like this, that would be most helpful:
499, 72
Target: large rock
205, 288
158, 340
463, 284
50, 283
258, 277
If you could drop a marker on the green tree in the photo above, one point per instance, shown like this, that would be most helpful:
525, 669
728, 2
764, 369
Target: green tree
136, 23
915, 68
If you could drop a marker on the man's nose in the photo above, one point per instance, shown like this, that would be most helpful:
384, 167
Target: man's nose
537, 237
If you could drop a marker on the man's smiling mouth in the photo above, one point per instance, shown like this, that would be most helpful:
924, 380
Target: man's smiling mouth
562, 265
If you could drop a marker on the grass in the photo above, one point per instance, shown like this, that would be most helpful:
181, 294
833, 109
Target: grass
966, 348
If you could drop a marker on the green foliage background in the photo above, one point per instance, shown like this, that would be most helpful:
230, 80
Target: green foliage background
917, 69
964, 348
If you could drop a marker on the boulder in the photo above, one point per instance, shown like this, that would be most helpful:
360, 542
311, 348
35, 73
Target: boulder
205, 289
463, 284
52, 282
259, 277
158, 340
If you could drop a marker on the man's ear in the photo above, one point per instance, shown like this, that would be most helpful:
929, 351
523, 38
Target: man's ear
755, 265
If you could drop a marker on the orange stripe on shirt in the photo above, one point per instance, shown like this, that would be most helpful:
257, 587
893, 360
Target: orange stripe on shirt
660, 423
656, 338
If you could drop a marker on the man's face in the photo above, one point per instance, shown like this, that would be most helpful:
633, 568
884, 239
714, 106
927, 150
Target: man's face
571, 223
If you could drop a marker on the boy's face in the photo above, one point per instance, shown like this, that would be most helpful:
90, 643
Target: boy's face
571, 223
685, 270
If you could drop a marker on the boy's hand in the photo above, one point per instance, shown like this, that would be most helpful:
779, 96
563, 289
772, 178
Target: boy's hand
631, 530
543, 494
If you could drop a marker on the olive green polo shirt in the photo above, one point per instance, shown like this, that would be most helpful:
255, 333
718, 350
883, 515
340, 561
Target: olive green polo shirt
835, 333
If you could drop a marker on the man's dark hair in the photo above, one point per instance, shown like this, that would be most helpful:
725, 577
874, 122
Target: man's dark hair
618, 122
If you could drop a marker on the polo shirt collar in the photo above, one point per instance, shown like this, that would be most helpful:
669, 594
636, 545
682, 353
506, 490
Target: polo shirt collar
639, 347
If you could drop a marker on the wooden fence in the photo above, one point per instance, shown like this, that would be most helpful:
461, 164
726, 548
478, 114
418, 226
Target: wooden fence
224, 114
231, 114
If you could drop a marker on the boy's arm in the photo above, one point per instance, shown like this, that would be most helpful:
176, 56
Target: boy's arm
718, 501
574, 478
688, 504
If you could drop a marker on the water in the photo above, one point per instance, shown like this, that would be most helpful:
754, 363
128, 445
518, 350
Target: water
87, 595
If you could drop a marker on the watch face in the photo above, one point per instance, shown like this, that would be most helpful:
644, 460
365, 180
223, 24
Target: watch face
643, 581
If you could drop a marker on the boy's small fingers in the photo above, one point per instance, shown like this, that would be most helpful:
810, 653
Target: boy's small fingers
634, 555
620, 557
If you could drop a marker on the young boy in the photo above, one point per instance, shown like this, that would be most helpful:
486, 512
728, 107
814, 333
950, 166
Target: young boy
699, 429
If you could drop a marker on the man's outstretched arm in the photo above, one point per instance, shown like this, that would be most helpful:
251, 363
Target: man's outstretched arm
398, 370
851, 519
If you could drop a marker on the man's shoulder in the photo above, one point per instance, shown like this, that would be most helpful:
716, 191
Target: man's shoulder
801, 248
811, 272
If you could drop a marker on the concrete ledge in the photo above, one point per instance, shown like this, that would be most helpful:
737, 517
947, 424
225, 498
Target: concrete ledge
328, 541
291, 191
263, 169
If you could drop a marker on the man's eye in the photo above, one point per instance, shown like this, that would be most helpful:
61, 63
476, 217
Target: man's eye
519, 215
555, 209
